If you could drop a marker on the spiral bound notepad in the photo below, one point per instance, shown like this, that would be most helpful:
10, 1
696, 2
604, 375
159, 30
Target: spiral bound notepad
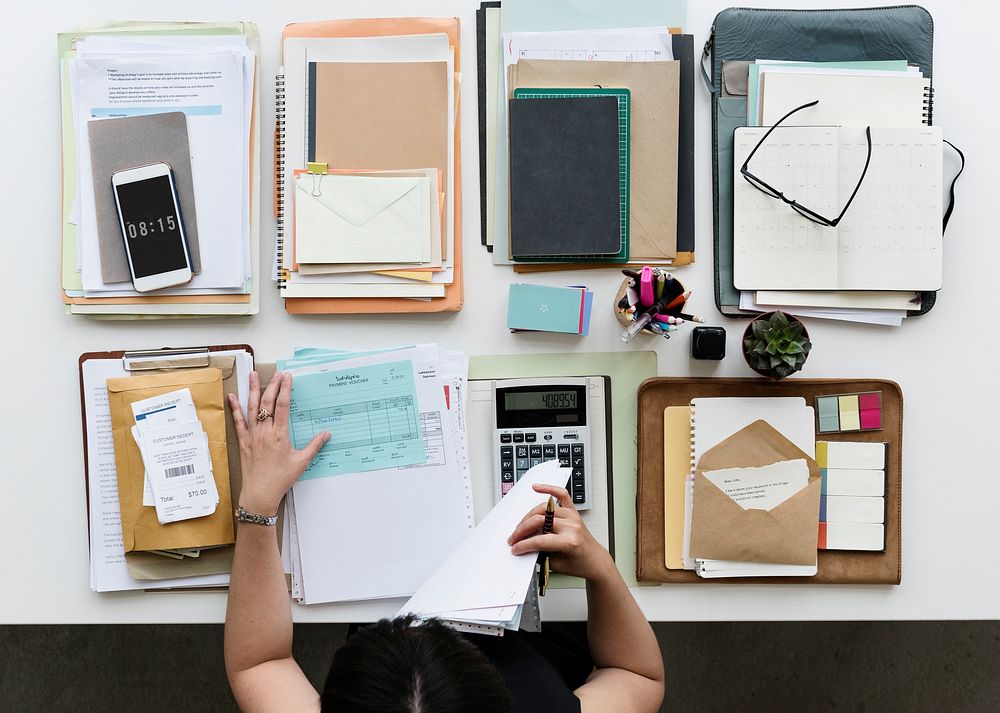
279, 178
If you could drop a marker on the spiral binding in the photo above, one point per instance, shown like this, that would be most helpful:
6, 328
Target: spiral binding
279, 177
928, 114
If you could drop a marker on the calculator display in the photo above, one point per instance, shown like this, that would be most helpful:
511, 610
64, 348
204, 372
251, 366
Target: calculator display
540, 407
527, 400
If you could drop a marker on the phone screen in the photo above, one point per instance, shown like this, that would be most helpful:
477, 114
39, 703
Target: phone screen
152, 226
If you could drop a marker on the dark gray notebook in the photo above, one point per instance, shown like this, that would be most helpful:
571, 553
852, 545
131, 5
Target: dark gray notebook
130, 142
564, 177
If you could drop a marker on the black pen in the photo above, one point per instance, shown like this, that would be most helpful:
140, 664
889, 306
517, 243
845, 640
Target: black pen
543, 575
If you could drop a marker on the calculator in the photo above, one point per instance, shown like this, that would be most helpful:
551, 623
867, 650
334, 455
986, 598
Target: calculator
538, 420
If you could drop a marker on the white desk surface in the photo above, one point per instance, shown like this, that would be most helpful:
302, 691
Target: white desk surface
944, 361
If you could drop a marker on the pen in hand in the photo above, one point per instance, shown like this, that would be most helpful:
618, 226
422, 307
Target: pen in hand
543, 575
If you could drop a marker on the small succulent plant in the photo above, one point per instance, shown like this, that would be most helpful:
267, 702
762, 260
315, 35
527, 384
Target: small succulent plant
776, 345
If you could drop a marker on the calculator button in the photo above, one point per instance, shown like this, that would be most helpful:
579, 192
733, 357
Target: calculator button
578, 449
522, 451
564, 462
570, 436
547, 436
522, 464
578, 475
505, 488
578, 496
506, 451
505, 438
520, 474
563, 450
536, 451
536, 461
506, 465
518, 438
578, 462
530, 437
549, 452
507, 476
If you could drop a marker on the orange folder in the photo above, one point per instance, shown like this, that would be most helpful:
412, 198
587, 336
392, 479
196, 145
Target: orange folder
385, 27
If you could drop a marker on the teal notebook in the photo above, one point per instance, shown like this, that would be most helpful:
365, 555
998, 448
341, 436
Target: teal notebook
540, 308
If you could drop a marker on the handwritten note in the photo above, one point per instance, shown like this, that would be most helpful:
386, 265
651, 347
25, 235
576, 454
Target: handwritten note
761, 488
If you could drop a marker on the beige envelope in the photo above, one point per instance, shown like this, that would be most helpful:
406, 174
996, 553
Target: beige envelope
141, 530
721, 529
655, 88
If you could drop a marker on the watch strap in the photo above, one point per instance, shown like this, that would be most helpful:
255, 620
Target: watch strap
243, 515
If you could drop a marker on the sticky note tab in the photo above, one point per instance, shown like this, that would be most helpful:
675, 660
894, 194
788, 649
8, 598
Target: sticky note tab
870, 405
828, 412
821, 453
840, 481
850, 508
852, 536
851, 455
850, 418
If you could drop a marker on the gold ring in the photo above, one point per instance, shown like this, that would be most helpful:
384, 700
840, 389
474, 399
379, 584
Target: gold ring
263, 414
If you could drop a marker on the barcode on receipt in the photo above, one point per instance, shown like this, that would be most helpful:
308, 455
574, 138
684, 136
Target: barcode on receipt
179, 470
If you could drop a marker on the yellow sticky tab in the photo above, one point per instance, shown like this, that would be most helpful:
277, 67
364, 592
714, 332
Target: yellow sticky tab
821, 454
850, 417
317, 167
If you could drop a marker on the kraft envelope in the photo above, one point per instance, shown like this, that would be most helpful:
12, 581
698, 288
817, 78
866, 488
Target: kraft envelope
362, 219
141, 530
655, 90
722, 529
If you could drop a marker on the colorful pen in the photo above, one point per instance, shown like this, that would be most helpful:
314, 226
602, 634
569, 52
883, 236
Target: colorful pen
668, 318
692, 317
677, 301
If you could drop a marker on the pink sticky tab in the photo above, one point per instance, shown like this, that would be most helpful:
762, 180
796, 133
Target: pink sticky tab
871, 418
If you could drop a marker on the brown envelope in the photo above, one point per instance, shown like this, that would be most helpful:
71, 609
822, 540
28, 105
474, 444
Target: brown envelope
721, 529
141, 531
655, 88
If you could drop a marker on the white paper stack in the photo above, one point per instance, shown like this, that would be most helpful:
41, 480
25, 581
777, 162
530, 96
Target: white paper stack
482, 586
207, 72
375, 515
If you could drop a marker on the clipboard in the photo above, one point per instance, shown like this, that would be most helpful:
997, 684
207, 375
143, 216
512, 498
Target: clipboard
173, 358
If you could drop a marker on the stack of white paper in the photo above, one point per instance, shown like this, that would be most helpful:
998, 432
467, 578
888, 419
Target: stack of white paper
394, 469
208, 74
482, 586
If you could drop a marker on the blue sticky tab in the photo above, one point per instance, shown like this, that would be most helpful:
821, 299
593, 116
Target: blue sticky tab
822, 508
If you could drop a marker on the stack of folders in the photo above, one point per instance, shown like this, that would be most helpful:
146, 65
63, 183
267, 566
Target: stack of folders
396, 468
586, 134
162, 472
482, 587
368, 190
185, 94
872, 264
752, 492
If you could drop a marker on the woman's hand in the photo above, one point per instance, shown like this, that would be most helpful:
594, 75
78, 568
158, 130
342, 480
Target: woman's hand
571, 547
270, 464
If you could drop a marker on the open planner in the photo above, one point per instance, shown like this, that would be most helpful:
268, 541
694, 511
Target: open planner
368, 187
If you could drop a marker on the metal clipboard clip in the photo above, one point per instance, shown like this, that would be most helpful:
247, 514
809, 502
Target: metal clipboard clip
166, 358
317, 170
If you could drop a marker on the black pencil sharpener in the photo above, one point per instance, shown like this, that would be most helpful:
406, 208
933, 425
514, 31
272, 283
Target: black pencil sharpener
708, 343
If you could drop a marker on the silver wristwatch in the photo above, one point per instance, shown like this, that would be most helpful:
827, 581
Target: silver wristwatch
244, 516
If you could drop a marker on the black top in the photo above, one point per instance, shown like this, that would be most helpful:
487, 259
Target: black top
541, 671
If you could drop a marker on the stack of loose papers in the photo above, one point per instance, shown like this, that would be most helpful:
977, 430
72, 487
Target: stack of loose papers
367, 202
205, 72
395, 468
482, 586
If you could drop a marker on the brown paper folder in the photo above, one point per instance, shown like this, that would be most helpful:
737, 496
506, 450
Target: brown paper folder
141, 530
383, 27
834, 567
722, 530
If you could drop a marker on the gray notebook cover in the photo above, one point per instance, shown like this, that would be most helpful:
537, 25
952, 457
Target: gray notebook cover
118, 144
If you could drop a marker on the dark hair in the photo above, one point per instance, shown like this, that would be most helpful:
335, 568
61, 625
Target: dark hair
399, 666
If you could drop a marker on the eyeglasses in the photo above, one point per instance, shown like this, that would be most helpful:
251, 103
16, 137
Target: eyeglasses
769, 190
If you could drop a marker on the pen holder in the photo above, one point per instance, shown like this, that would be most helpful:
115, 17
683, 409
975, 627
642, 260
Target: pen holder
628, 310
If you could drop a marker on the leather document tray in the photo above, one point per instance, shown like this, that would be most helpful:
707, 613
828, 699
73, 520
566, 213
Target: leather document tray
835, 566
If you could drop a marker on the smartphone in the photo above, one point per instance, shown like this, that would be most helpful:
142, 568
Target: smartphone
150, 219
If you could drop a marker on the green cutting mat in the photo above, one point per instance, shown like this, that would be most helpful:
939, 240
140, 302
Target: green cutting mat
627, 370
624, 97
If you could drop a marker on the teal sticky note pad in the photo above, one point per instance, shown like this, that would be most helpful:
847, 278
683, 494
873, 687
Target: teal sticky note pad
541, 308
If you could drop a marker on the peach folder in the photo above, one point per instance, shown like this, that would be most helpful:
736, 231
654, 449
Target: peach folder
452, 301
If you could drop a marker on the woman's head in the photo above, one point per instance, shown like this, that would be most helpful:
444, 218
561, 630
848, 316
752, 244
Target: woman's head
396, 666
